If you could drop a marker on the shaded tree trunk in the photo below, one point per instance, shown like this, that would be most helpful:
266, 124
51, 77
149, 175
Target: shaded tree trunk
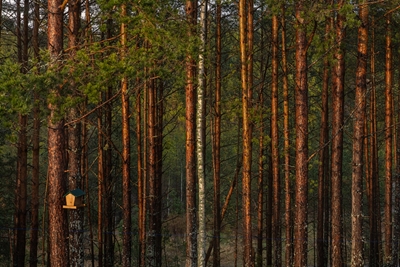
357, 253
75, 236
337, 143
154, 199
141, 184
301, 164
216, 155
323, 168
33, 257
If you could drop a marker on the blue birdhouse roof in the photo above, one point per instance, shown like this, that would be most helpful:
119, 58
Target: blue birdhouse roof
76, 192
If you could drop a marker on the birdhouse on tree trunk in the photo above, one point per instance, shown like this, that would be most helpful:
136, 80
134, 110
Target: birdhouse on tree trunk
74, 199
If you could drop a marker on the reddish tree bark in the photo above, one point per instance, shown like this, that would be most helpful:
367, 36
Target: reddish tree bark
217, 142
301, 164
191, 216
388, 144
126, 153
55, 146
357, 253
337, 142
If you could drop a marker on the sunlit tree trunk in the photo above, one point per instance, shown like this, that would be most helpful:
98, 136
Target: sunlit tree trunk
372, 182
191, 216
200, 142
286, 136
301, 165
388, 144
248, 260
55, 146
357, 253
337, 142
126, 182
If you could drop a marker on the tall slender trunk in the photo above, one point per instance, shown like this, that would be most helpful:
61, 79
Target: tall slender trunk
108, 177
301, 165
154, 242
100, 185
22, 163
75, 237
373, 205
126, 153
33, 257
286, 136
248, 260
141, 182
276, 229
217, 142
396, 190
388, 144
357, 254
191, 215
323, 168
200, 136
55, 146
337, 142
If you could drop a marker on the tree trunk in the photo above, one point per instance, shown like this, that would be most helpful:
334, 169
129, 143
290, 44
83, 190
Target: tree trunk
75, 236
301, 165
141, 182
22, 163
276, 229
388, 144
286, 136
33, 257
154, 199
323, 168
216, 155
248, 260
55, 146
337, 143
396, 190
108, 177
373, 189
200, 143
357, 254
100, 184
126, 153
191, 216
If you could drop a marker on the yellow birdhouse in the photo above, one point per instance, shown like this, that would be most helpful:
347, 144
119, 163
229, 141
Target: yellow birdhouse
74, 199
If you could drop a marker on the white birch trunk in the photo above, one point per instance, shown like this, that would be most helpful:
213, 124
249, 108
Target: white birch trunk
201, 249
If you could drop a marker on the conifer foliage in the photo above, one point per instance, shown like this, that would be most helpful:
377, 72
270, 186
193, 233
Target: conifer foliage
199, 133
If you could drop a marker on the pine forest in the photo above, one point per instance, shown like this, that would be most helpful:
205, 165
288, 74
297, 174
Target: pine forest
198, 133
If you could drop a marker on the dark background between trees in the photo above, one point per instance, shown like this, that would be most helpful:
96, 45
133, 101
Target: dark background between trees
203, 133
